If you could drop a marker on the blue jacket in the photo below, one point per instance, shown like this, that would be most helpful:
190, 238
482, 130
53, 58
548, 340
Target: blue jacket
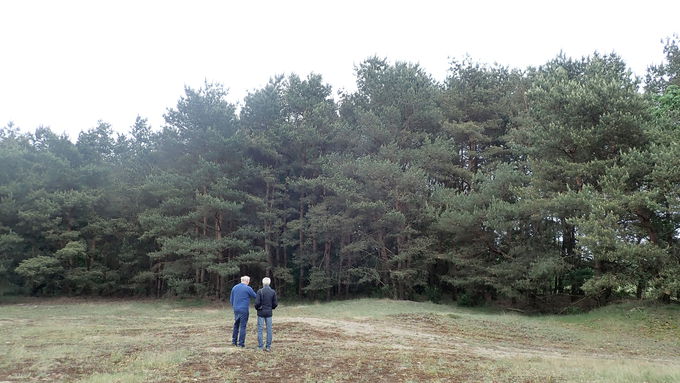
240, 297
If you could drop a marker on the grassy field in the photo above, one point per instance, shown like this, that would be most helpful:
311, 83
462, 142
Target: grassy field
351, 341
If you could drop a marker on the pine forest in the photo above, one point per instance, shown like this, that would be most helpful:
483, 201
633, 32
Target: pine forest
534, 186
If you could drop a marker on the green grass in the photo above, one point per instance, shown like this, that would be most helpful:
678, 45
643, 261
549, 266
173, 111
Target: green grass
367, 308
66, 340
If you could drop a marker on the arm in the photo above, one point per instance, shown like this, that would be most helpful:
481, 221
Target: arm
231, 297
251, 292
258, 301
275, 302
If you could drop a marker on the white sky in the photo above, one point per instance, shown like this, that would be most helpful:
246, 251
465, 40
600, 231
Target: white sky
67, 64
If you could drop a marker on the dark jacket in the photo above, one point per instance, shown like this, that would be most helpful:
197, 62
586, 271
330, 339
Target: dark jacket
265, 302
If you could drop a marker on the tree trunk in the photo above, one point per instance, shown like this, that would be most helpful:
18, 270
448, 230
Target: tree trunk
301, 280
283, 247
473, 158
327, 265
267, 231
93, 248
640, 289
301, 248
666, 297
569, 242
645, 217
340, 261
159, 280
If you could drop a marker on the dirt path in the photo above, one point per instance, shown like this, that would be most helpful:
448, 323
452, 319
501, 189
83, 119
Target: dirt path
438, 338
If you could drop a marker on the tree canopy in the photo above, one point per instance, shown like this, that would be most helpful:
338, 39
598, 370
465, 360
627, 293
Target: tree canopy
527, 184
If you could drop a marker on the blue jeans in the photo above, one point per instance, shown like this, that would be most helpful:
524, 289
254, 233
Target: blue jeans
238, 337
261, 321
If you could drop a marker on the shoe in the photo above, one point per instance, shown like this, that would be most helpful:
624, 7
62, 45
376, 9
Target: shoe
268, 349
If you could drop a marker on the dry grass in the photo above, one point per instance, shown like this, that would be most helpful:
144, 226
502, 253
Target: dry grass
350, 341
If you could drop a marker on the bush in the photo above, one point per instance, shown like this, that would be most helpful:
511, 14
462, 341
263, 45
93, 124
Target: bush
577, 277
82, 281
470, 300
180, 286
42, 274
434, 294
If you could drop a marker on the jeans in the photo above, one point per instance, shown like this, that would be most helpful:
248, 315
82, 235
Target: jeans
262, 321
238, 337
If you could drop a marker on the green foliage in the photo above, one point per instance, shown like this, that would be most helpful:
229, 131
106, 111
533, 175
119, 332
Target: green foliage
82, 281
603, 285
660, 77
496, 183
42, 274
283, 275
575, 278
318, 282
470, 299
73, 252
181, 287
433, 294
669, 101
141, 283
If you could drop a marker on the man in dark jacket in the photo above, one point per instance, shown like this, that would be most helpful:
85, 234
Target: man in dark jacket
240, 302
265, 302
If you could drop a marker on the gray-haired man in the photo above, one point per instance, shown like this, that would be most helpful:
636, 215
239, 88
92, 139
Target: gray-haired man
240, 301
265, 302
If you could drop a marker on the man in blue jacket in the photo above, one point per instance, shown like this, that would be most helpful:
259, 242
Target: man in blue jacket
240, 302
264, 304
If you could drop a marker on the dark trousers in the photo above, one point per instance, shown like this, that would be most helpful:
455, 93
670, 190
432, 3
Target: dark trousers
238, 337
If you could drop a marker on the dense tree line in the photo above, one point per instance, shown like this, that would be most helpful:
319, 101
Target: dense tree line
524, 184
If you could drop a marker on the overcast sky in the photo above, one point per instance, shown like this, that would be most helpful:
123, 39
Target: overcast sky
67, 64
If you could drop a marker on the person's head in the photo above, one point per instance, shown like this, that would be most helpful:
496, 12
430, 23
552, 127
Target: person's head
266, 281
245, 279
